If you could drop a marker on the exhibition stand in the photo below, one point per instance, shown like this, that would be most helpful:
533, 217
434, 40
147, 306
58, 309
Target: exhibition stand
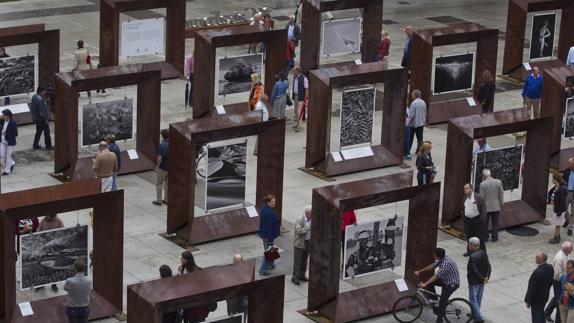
148, 301
206, 44
108, 233
372, 13
324, 276
459, 157
110, 11
442, 107
554, 104
48, 55
185, 138
319, 160
515, 35
67, 89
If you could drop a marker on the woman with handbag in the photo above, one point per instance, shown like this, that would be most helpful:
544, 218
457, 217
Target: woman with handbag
486, 91
268, 231
557, 197
82, 59
425, 165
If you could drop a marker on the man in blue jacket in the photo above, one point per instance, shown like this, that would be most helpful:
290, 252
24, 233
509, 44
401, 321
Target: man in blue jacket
532, 92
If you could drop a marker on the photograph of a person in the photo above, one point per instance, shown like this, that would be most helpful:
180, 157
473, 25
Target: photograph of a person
542, 35
372, 247
342, 36
235, 73
357, 113
226, 169
504, 164
453, 73
569, 118
107, 118
17, 75
47, 257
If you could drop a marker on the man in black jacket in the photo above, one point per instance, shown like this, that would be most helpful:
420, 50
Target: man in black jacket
41, 116
568, 177
474, 216
478, 274
538, 288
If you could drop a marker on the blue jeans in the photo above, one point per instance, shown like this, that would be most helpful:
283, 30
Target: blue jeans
537, 313
78, 314
265, 265
475, 299
42, 127
407, 142
115, 181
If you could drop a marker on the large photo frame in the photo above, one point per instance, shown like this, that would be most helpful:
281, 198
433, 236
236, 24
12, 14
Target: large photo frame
142, 37
234, 73
357, 117
372, 247
453, 73
18, 75
542, 35
98, 120
342, 36
504, 163
47, 257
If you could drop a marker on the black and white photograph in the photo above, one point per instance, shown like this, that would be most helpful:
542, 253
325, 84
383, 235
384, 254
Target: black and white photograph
238, 318
453, 73
504, 164
542, 35
357, 113
568, 126
107, 118
17, 75
47, 257
372, 247
342, 36
226, 169
235, 73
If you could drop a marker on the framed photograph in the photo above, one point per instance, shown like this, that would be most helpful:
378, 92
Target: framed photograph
373, 247
568, 120
142, 37
47, 257
226, 170
235, 73
101, 119
342, 36
17, 75
357, 114
453, 73
542, 35
504, 164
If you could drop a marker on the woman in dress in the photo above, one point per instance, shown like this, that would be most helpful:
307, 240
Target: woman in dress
9, 134
279, 97
425, 165
257, 89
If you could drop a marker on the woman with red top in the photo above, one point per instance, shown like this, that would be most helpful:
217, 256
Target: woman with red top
384, 46
349, 218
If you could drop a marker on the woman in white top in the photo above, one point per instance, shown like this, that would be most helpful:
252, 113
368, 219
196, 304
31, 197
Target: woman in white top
82, 59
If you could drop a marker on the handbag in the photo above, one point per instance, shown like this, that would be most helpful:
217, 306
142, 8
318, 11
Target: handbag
289, 100
271, 253
89, 59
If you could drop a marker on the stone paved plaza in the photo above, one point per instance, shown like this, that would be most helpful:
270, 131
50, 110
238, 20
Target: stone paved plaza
512, 257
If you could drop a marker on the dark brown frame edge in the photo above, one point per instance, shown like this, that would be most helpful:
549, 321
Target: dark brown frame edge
48, 54
146, 305
184, 138
554, 102
321, 85
328, 205
108, 229
313, 23
67, 87
460, 139
516, 34
206, 44
440, 108
110, 11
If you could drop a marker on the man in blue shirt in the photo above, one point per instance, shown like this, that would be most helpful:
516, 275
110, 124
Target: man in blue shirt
532, 92
113, 147
161, 168
568, 177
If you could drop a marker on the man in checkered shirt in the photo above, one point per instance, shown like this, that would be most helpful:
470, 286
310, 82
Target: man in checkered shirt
446, 277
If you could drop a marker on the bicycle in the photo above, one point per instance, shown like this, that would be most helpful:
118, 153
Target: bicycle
409, 308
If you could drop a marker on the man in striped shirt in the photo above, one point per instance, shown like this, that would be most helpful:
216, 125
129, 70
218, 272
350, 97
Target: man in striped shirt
446, 276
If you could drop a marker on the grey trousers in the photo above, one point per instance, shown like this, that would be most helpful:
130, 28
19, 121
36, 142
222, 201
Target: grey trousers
300, 261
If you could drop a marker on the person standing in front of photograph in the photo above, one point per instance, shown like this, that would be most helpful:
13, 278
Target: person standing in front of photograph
268, 231
161, 168
105, 165
301, 246
486, 91
383, 49
9, 134
41, 116
300, 94
492, 191
113, 147
279, 96
557, 197
532, 92
407, 49
478, 273
425, 165
473, 217
82, 59
417, 119
79, 288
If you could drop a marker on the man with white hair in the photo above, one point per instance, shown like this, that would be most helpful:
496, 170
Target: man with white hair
293, 30
493, 193
478, 274
559, 265
301, 246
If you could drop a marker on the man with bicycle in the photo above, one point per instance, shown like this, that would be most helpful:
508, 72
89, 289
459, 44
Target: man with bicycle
446, 276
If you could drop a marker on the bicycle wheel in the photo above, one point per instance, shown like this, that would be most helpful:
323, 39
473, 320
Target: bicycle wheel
407, 309
458, 310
